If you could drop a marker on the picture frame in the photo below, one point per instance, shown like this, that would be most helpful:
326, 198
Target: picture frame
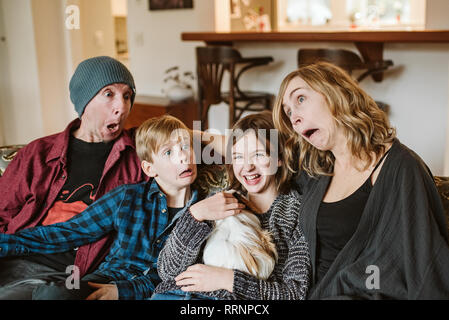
170, 4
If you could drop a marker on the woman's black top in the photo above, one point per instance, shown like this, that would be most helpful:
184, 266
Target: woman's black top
337, 222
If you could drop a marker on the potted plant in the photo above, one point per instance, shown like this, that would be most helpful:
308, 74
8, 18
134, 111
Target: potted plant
179, 84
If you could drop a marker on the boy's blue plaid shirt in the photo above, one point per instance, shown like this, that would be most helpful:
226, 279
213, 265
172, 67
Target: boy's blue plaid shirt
137, 213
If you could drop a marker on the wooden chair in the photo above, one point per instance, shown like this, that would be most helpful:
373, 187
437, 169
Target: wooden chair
348, 61
345, 59
212, 63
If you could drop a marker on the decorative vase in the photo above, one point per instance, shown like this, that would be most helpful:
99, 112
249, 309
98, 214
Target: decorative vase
178, 93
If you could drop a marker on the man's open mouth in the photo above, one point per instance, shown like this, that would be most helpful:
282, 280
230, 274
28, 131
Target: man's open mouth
113, 127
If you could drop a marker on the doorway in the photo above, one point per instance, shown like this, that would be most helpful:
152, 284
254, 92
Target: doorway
119, 11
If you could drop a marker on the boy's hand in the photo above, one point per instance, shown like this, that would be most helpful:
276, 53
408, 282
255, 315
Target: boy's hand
219, 206
200, 277
103, 292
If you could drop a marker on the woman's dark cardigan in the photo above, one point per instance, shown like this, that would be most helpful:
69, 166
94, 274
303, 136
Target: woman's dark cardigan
402, 233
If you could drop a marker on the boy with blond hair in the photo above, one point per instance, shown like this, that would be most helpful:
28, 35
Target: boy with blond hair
141, 217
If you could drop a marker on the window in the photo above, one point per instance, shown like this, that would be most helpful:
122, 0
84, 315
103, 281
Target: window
322, 14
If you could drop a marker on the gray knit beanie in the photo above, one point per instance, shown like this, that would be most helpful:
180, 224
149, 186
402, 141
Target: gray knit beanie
94, 74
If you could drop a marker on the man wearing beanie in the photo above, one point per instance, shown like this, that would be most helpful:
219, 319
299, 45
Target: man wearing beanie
56, 177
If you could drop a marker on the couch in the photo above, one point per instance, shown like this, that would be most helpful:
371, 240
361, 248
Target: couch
212, 178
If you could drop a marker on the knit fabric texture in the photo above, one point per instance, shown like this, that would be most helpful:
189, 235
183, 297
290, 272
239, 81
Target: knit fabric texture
290, 277
94, 74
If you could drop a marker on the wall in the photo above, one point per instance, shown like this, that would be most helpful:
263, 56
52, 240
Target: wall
436, 14
97, 27
20, 102
38, 59
95, 37
51, 60
417, 88
3, 70
119, 8
154, 39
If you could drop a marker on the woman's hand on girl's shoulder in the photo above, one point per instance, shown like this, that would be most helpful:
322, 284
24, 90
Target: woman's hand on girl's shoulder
216, 207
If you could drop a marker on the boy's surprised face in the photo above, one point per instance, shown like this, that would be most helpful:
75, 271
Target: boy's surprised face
173, 164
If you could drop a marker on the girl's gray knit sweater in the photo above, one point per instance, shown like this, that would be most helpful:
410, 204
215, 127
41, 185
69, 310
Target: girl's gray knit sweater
290, 278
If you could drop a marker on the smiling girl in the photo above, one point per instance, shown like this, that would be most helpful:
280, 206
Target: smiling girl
258, 170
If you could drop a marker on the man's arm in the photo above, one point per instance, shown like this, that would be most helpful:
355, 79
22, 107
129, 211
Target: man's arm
89, 226
13, 189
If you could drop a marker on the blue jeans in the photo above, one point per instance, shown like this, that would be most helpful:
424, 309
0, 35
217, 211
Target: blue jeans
20, 276
59, 291
180, 295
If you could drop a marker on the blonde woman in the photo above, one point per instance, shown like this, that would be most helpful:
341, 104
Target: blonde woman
371, 212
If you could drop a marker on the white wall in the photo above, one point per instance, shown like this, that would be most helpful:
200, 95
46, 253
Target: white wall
56, 108
446, 157
20, 103
38, 60
97, 27
119, 8
419, 97
436, 14
3, 70
154, 39
417, 88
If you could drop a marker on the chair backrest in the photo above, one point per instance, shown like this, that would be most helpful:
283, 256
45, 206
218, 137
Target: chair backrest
344, 59
442, 184
212, 62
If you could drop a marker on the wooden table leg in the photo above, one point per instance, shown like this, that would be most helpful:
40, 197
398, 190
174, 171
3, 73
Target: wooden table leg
372, 51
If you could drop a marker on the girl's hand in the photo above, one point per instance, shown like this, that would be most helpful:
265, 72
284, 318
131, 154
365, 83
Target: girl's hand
219, 206
200, 277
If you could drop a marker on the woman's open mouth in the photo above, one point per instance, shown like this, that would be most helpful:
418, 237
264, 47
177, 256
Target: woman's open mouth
308, 133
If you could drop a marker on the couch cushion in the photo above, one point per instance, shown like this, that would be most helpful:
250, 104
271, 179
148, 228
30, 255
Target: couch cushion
213, 178
443, 189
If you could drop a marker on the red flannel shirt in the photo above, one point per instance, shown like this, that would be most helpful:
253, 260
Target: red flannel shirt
33, 180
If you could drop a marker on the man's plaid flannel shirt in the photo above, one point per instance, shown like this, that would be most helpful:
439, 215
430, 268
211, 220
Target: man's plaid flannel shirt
138, 215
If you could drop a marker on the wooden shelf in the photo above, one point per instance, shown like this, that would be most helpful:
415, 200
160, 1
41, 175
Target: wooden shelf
369, 43
153, 106
320, 36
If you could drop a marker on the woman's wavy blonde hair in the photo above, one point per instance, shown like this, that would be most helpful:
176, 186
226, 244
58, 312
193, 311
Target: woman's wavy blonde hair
365, 125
